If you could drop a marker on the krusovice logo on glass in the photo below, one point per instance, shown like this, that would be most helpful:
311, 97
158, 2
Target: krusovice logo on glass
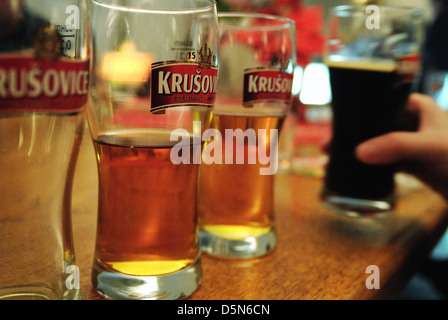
194, 83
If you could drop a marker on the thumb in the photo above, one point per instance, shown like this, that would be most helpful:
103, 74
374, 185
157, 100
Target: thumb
398, 146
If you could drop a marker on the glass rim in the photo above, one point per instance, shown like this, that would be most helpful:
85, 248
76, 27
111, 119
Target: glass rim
352, 9
287, 22
102, 3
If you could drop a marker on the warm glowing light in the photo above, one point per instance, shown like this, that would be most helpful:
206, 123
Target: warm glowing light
316, 88
127, 65
297, 82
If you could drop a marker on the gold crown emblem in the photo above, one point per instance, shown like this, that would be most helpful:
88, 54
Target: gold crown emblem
205, 57
47, 44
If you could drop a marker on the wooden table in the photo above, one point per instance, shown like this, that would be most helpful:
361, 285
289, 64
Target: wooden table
320, 254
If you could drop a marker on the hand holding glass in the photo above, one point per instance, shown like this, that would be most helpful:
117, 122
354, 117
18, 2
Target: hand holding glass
372, 68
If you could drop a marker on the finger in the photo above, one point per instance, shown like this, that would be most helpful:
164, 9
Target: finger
431, 116
403, 146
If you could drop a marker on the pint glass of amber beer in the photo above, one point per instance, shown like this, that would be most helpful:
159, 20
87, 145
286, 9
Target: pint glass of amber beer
154, 72
236, 183
373, 57
44, 79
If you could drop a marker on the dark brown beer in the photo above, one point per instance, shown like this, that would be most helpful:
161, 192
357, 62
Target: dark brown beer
368, 100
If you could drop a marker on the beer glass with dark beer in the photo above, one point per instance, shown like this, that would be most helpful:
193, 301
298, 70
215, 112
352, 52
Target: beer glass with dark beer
154, 73
236, 181
373, 57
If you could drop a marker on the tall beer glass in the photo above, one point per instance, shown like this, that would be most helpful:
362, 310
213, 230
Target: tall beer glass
236, 184
44, 73
154, 73
373, 57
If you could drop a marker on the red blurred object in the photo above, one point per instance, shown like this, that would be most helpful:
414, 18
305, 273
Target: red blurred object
309, 26
308, 19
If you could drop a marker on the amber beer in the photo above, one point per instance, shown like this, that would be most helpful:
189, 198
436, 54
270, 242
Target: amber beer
368, 101
236, 201
147, 205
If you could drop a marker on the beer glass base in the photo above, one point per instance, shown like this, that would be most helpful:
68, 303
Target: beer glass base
174, 286
37, 292
250, 247
355, 207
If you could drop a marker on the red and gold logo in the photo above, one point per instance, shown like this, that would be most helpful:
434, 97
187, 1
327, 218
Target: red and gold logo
407, 68
184, 83
43, 80
266, 85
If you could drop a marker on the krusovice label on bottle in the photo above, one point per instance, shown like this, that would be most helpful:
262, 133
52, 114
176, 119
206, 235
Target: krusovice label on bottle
408, 67
266, 85
28, 84
182, 83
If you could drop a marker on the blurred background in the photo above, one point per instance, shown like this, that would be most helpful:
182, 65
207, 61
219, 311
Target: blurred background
307, 128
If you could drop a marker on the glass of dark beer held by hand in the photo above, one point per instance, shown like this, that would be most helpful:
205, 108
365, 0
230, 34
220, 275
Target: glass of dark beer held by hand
373, 57
154, 74
239, 162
